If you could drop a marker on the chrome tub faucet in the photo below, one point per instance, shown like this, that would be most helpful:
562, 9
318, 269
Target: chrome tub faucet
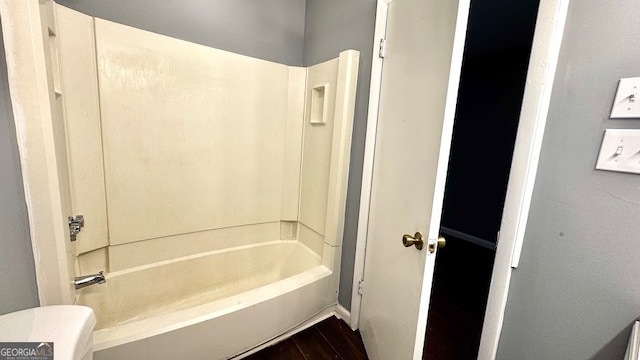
82, 281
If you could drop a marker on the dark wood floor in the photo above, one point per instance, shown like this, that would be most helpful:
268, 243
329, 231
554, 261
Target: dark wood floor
329, 339
458, 301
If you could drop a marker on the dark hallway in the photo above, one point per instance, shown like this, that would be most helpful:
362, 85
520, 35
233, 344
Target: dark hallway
495, 64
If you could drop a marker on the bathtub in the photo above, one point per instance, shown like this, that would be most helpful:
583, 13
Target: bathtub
208, 301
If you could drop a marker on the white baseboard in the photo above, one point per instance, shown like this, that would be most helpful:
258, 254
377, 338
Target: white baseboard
343, 313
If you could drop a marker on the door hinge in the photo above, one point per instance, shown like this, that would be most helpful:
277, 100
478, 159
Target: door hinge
75, 224
360, 287
383, 48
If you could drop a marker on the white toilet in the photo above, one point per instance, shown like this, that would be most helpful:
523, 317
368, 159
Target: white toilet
69, 327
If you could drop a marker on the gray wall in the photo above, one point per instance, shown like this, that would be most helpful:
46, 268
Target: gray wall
330, 27
17, 271
271, 30
577, 290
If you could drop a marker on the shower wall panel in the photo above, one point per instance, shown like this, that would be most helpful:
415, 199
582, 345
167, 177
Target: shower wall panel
178, 149
77, 58
139, 253
193, 136
293, 144
320, 102
330, 98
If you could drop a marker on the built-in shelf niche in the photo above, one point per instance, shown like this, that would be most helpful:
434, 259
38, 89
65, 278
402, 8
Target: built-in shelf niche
319, 102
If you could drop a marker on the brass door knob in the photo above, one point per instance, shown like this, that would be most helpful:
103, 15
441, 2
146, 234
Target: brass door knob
415, 240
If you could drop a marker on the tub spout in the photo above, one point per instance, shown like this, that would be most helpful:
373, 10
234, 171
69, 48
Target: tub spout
87, 280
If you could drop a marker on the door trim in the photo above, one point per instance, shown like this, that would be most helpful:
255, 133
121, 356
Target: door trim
552, 15
537, 96
367, 168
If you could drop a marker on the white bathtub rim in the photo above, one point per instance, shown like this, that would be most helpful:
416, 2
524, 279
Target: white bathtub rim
145, 328
292, 258
124, 272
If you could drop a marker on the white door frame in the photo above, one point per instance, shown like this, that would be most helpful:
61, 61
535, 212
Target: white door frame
367, 168
535, 105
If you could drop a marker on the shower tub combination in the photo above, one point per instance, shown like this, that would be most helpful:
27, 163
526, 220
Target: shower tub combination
213, 305
212, 184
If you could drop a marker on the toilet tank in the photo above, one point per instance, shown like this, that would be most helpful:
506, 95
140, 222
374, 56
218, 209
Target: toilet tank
68, 327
